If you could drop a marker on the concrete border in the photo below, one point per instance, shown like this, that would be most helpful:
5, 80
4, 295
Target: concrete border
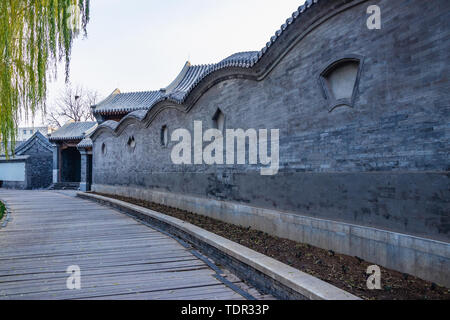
425, 258
285, 282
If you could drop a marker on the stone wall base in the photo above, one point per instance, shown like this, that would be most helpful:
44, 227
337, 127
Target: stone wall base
425, 258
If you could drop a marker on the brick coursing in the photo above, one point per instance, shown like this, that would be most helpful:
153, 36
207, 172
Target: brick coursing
39, 167
383, 163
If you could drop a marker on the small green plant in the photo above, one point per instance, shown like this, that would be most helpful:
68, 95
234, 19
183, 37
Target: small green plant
2, 210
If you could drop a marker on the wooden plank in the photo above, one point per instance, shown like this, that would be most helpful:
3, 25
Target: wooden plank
119, 257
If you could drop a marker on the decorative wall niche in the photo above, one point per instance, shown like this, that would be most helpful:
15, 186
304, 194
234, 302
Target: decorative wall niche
104, 149
340, 81
131, 144
219, 120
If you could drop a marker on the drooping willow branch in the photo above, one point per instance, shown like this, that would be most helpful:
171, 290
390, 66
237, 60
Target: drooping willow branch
34, 36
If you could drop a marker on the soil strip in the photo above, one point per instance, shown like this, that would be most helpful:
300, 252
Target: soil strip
342, 271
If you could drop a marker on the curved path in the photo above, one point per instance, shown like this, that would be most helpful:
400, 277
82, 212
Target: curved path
119, 258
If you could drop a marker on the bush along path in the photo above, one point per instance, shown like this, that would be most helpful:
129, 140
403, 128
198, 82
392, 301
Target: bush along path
342, 271
2, 211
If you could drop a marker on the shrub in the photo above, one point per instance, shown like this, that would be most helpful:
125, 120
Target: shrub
2, 210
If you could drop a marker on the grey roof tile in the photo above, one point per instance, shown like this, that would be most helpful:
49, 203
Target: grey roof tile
85, 143
126, 102
35, 138
73, 131
191, 78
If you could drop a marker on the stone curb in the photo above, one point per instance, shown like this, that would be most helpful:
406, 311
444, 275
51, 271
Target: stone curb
301, 283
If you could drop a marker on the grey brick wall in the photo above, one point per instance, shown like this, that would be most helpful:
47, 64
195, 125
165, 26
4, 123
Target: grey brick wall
39, 168
383, 163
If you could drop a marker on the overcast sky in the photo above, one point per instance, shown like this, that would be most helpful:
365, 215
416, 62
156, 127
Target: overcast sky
138, 45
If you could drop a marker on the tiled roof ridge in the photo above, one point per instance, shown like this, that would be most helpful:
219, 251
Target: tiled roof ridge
142, 91
36, 137
178, 94
284, 26
73, 131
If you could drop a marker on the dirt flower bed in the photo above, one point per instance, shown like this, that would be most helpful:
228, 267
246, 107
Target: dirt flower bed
345, 272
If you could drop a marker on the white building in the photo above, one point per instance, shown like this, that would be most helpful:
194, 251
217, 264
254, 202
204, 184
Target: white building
25, 133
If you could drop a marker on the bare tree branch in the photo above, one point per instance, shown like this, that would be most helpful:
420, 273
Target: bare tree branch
52, 120
73, 104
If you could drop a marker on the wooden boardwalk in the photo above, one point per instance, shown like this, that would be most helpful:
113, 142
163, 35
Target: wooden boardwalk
119, 258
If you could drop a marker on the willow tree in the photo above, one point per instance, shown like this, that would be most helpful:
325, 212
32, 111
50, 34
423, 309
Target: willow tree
35, 35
